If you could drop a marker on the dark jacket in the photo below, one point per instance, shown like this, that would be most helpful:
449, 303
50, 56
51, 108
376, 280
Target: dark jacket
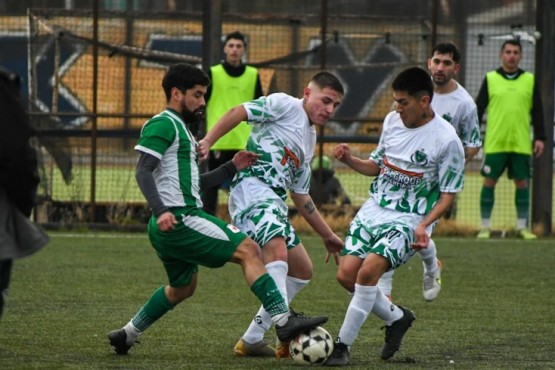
325, 188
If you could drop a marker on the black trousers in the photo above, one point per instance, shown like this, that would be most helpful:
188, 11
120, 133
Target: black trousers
210, 195
5, 274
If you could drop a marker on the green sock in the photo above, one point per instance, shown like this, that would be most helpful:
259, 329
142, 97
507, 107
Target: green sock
266, 290
522, 203
155, 308
487, 198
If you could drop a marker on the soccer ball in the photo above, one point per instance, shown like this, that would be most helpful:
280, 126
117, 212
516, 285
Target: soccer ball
312, 347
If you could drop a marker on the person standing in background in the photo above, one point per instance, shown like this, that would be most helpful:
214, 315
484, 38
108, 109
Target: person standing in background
325, 187
511, 98
232, 83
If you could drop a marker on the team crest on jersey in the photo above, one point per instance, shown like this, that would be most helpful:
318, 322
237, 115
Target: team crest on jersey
419, 157
233, 228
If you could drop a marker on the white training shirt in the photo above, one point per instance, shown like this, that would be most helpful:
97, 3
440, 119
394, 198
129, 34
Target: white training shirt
285, 142
459, 109
416, 165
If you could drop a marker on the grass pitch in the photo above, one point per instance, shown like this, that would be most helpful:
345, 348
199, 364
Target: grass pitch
495, 310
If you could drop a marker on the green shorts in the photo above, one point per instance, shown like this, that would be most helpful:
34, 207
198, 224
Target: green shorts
518, 165
197, 239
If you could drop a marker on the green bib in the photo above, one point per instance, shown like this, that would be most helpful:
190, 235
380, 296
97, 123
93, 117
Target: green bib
228, 92
508, 122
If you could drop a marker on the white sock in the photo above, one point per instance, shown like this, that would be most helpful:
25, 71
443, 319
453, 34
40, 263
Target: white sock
294, 285
132, 333
262, 320
385, 310
521, 224
357, 312
386, 282
429, 257
278, 271
486, 223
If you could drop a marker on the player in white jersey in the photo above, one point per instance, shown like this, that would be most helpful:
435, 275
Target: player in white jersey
452, 102
284, 137
419, 164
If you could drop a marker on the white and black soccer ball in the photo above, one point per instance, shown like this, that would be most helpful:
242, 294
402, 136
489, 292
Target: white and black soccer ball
313, 347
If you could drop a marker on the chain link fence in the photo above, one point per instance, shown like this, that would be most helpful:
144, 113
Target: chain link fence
89, 99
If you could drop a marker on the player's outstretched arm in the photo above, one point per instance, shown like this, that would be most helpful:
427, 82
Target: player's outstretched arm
226, 171
226, 123
363, 166
310, 213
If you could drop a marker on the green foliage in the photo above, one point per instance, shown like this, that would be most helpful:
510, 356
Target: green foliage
495, 310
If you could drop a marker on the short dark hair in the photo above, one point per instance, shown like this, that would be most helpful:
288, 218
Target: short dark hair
237, 36
326, 79
414, 80
183, 76
447, 48
514, 42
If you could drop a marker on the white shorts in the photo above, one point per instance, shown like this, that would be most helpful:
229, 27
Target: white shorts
260, 213
382, 231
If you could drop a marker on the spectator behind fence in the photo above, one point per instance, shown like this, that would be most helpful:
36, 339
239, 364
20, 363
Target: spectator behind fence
19, 179
325, 187
232, 83
511, 97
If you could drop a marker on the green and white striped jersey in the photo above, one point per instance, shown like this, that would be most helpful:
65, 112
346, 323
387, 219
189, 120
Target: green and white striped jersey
177, 176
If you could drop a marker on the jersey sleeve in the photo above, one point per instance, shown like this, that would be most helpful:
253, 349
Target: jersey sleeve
451, 167
156, 137
470, 128
266, 108
301, 183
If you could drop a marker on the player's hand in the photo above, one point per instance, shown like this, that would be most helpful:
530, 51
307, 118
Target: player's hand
244, 159
203, 148
538, 148
166, 221
342, 152
333, 244
422, 238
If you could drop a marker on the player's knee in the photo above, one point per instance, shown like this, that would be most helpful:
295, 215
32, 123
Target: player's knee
304, 273
248, 250
346, 280
177, 295
368, 275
